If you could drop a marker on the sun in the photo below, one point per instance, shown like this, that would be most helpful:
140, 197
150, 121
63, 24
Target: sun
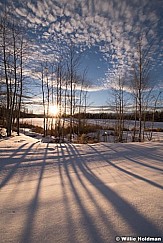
53, 109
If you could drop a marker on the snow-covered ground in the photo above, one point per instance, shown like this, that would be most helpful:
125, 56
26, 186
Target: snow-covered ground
109, 123
102, 122
66, 193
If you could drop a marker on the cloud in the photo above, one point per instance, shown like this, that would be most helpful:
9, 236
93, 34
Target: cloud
112, 24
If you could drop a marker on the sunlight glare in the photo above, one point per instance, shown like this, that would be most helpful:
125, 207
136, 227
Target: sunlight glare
53, 110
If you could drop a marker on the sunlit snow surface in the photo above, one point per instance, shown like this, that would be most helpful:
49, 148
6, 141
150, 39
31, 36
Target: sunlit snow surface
79, 193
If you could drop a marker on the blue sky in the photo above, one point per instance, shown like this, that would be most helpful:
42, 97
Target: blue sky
104, 31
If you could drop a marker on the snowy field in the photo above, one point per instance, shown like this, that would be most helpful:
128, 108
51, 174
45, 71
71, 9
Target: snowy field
103, 122
70, 193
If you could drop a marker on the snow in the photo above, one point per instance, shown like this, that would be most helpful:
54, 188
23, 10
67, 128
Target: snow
105, 123
79, 193
102, 122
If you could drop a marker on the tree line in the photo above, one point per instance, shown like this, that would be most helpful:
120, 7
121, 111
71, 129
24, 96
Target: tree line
135, 90
65, 88
158, 116
13, 52
62, 84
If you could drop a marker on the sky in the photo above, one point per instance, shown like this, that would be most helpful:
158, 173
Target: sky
105, 32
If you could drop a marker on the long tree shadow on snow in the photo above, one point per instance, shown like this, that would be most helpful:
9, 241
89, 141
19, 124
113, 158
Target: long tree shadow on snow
140, 225
71, 160
17, 163
87, 221
9, 160
126, 171
63, 163
147, 152
129, 172
143, 152
33, 205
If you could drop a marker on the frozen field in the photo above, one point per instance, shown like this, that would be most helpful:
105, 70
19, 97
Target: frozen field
106, 123
102, 122
70, 193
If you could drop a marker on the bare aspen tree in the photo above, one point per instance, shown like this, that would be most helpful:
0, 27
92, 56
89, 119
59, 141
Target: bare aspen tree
2, 79
5, 56
118, 94
80, 106
85, 100
9, 69
82, 101
20, 84
72, 65
146, 103
120, 109
65, 94
143, 63
52, 95
59, 98
156, 99
12, 61
135, 108
43, 98
47, 97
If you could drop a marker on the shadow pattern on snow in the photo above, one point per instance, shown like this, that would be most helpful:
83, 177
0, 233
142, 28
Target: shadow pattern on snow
78, 178
17, 162
129, 172
34, 205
